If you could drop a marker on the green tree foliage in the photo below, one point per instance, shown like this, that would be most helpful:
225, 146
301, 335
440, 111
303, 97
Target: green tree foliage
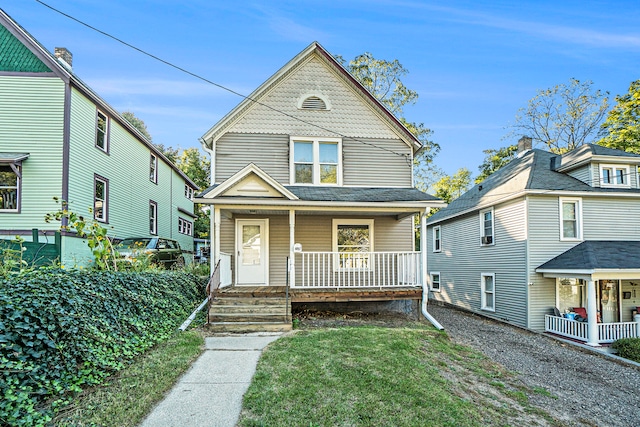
563, 117
137, 123
198, 169
170, 153
621, 129
494, 159
450, 187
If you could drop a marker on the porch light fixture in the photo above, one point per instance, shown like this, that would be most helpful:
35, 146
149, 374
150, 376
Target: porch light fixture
253, 211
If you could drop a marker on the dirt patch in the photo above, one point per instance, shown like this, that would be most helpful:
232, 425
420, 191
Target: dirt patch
311, 318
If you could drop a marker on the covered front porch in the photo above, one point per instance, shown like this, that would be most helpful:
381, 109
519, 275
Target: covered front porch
597, 292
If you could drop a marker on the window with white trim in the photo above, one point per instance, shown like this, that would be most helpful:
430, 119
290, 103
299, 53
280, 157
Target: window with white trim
185, 227
10, 187
570, 219
153, 217
153, 168
488, 290
437, 239
316, 161
353, 241
188, 191
435, 281
102, 131
100, 198
486, 227
614, 176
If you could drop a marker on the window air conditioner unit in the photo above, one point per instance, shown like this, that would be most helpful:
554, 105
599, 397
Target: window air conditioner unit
487, 240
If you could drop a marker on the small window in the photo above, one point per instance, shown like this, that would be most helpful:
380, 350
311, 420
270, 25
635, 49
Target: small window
153, 217
437, 243
570, 219
10, 187
185, 227
100, 198
435, 281
488, 290
153, 168
102, 131
316, 161
614, 176
486, 227
353, 241
188, 192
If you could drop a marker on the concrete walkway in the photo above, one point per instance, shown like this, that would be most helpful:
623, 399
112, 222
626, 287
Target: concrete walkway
210, 393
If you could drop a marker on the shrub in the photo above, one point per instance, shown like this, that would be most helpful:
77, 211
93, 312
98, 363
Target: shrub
629, 348
63, 330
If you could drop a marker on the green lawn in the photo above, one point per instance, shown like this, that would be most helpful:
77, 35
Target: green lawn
376, 376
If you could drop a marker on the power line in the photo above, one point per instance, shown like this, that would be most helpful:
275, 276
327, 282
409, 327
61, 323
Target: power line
204, 79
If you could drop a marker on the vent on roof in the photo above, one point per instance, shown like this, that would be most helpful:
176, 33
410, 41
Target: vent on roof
313, 103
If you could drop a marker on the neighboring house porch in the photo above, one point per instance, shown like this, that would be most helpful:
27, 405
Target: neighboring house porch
597, 284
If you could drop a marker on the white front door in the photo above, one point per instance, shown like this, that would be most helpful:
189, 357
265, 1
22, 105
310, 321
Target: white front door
252, 258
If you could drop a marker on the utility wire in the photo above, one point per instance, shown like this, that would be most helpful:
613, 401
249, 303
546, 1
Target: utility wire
199, 77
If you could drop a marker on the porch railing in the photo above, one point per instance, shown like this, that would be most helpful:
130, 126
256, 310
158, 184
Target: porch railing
607, 332
357, 269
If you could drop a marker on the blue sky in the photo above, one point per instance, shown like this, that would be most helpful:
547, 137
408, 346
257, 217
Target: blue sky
473, 63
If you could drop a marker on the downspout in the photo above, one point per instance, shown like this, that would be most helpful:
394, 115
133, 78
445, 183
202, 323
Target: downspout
425, 274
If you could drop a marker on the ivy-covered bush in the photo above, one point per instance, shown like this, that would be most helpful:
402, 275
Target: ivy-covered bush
64, 330
629, 348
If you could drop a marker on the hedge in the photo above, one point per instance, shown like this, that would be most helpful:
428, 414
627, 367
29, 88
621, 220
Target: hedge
629, 348
63, 330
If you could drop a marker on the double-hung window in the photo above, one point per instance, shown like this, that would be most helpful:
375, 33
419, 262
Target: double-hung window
486, 227
153, 217
153, 168
316, 161
570, 219
488, 290
102, 131
100, 198
435, 281
10, 175
185, 227
614, 175
188, 191
353, 242
437, 239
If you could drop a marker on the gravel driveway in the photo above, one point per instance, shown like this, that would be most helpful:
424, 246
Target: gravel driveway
587, 389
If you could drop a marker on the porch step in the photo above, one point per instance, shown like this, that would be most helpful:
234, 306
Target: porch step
241, 327
249, 312
249, 309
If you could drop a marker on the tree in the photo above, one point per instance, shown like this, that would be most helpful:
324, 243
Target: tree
494, 159
172, 154
450, 187
621, 129
137, 123
198, 169
383, 79
564, 116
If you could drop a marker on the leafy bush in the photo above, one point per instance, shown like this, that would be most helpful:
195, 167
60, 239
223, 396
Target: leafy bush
629, 348
63, 330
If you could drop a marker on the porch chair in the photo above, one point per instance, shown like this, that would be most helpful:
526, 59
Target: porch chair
580, 311
556, 312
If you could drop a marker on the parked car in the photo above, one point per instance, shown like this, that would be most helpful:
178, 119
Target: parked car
159, 250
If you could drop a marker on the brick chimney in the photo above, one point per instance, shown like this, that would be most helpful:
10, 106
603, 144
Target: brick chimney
524, 145
63, 54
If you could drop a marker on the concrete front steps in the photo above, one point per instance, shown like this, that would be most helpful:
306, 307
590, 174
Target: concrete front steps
240, 313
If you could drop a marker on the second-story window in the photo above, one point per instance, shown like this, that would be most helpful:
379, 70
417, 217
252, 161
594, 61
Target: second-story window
614, 175
570, 219
188, 191
486, 227
316, 161
102, 131
153, 168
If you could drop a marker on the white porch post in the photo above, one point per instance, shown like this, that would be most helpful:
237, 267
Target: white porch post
592, 315
292, 242
215, 226
423, 249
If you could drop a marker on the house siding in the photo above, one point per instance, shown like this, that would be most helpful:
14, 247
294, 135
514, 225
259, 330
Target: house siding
584, 174
36, 104
462, 261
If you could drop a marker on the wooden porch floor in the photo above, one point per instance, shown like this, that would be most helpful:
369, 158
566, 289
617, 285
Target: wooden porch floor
325, 295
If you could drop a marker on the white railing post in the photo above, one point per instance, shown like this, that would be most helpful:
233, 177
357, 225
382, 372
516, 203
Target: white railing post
592, 316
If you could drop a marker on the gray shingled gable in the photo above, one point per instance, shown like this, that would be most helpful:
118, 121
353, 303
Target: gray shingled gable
597, 254
353, 194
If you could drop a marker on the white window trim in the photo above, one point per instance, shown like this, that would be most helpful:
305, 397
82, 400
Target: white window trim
153, 230
334, 240
437, 229
578, 203
185, 227
431, 281
107, 125
17, 169
484, 292
153, 168
316, 164
614, 168
188, 191
493, 227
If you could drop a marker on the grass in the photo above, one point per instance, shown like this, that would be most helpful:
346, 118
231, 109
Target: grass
131, 394
376, 376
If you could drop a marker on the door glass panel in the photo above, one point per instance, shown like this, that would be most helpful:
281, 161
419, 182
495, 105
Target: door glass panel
250, 245
609, 301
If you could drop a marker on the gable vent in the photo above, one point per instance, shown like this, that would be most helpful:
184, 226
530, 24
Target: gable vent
313, 103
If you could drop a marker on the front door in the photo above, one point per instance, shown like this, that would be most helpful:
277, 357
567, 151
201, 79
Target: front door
609, 301
252, 236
